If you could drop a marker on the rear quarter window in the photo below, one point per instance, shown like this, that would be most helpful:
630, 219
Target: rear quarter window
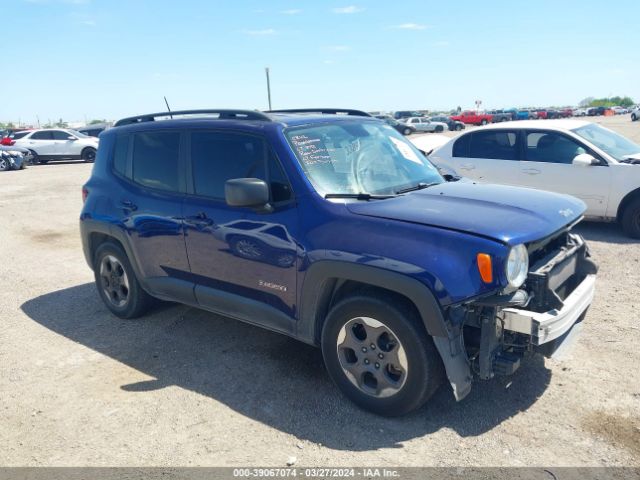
461, 146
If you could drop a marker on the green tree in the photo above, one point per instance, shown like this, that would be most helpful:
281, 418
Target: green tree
95, 121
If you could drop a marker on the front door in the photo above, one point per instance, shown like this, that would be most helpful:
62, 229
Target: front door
547, 165
238, 254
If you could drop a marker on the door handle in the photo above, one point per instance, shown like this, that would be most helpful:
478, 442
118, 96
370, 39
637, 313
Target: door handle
531, 171
467, 166
129, 205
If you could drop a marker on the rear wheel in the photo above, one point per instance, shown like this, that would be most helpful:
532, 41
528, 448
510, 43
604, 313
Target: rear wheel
633, 117
379, 355
88, 155
458, 127
117, 283
631, 219
483, 122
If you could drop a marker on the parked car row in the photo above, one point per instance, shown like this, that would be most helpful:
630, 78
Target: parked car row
14, 158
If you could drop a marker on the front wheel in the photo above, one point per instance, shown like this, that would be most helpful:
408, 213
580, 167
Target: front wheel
4, 164
633, 117
117, 283
631, 219
458, 127
406, 131
88, 155
378, 353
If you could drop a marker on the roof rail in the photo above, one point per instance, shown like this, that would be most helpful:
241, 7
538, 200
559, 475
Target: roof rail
223, 114
329, 111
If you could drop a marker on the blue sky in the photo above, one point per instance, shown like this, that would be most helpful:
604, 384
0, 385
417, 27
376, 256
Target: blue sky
111, 58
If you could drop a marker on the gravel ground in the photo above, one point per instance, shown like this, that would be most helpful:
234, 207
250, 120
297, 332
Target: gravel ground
184, 387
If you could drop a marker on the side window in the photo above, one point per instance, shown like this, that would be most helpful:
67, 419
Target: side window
60, 135
120, 151
155, 159
551, 147
44, 135
217, 157
461, 146
495, 144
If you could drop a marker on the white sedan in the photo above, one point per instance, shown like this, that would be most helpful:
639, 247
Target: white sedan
575, 157
423, 124
635, 113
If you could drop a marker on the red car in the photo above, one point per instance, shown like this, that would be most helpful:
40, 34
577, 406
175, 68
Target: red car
473, 118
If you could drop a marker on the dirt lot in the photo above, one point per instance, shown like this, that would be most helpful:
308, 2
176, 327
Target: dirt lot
185, 387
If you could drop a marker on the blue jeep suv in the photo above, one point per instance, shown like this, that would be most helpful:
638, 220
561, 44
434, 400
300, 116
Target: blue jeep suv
328, 226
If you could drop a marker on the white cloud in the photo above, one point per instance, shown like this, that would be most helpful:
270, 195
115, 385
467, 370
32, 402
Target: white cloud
291, 11
265, 31
410, 26
347, 9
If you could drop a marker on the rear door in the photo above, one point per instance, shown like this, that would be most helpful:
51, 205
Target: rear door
489, 156
239, 254
547, 165
42, 143
149, 201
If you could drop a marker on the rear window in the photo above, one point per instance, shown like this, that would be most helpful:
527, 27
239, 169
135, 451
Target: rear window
19, 135
155, 159
501, 145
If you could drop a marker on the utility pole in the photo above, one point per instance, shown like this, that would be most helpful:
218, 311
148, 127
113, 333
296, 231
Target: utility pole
268, 86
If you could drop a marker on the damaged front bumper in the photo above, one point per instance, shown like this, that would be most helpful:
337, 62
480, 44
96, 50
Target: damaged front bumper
537, 318
544, 327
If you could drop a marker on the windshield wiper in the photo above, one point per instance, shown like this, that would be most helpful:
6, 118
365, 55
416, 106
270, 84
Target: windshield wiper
419, 186
358, 196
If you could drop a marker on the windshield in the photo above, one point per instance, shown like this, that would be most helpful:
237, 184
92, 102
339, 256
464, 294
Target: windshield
359, 157
615, 145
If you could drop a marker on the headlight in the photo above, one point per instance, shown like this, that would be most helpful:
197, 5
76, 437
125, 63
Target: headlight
517, 266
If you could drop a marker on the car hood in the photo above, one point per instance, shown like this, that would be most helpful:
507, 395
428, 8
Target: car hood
510, 215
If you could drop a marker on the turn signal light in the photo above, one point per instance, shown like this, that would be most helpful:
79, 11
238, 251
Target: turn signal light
485, 267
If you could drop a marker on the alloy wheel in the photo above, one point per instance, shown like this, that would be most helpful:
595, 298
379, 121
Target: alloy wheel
372, 357
114, 280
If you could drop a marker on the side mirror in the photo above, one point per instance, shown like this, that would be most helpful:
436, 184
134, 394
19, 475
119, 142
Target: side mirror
72, 138
247, 192
585, 160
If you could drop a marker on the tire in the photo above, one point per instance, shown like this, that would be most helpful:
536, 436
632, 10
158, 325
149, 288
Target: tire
131, 300
398, 334
633, 117
4, 164
406, 131
483, 122
631, 219
458, 127
88, 155
439, 129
